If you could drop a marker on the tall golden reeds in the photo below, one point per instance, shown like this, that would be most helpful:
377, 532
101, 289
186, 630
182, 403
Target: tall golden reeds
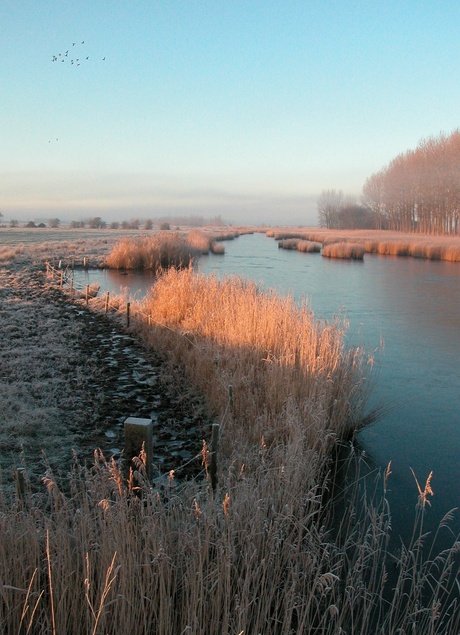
160, 251
392, 242
282, 363
254, 556
353, 251
262, 552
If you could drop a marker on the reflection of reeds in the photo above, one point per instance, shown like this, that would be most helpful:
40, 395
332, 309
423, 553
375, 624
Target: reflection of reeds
353, 251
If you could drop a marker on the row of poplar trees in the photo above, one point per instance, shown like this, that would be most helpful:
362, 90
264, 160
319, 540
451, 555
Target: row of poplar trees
419, 191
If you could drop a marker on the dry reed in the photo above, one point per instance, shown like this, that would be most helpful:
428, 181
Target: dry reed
282, 363
253, 557
258, 554
308, 246
350, 251
393, 243
160, 251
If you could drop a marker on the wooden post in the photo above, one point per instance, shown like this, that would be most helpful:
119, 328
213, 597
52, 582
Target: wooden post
21, 483
71, 285
214, 446
128, 305
107, 302
84, 262
87, 293
138, 434
61, 282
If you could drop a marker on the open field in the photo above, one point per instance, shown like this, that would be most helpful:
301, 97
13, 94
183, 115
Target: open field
265, 552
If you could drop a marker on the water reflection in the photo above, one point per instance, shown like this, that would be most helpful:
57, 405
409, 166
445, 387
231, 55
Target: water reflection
132, 284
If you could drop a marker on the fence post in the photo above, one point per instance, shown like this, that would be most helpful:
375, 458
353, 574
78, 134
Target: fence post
138, 435
84, 262
71, 285
214, 446
61, 282
21, 483
128, 304
107, 302
87, 293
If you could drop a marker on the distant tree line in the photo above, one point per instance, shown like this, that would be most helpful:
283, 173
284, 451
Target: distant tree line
134, 223
336, 211
191, 221
419, 191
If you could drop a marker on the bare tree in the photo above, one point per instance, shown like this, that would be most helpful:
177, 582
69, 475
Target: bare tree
329, 204
419, 190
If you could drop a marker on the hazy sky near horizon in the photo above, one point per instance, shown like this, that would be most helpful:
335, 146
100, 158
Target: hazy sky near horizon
247, 109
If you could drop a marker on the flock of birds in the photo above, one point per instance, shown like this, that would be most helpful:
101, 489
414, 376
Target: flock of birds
74, 61
70, 56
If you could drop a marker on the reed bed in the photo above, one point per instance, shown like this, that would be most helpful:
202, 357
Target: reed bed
217, 248
393, 243
345, 250
200, 240
266, 550
285, 235
308, 246
282, 364
160, 251
253, 556
288, 243
305, 246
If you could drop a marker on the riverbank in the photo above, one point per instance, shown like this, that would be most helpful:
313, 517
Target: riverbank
70, 378
259, 553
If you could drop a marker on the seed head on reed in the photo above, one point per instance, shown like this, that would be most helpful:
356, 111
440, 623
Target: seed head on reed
425, 492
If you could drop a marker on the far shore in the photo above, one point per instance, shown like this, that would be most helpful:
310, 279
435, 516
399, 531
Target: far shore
383, 242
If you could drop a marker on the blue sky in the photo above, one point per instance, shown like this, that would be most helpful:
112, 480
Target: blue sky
247, 109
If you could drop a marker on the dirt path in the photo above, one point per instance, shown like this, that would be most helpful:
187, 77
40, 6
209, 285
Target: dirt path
70, 377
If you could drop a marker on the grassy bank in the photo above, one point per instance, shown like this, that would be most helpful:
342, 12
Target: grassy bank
266, 551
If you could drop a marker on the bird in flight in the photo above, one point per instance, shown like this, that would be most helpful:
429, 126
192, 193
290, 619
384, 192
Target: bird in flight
74, 61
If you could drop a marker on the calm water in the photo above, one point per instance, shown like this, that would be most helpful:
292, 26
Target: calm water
408, 312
